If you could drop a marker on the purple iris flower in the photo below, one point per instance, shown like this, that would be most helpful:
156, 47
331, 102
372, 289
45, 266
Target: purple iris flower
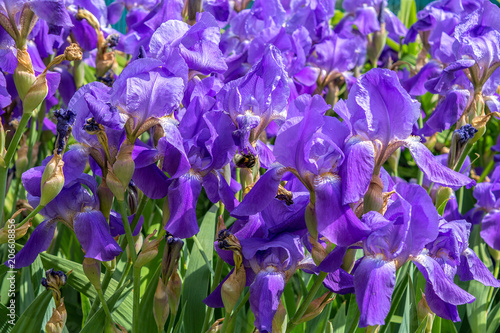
256, 99
451, 251
378, 127
272, 251
192, 151
310, 145
409, 223
75, 206
487, 210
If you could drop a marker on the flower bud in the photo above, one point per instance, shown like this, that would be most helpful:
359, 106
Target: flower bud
315, 308
92, 270
442, 196
311, 220
52, 180
54, 281
36, 93
105, 199
124, 165
174, 288
24, 76
232, 288
115, 185
171, 255
374, 199
148, 252
349, 260
279, 319
138, 241
160, 305
423, 312
22, 159
459, 141
58, 319
318, 252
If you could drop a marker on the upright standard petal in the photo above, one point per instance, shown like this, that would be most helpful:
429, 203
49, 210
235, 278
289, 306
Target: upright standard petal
357, 169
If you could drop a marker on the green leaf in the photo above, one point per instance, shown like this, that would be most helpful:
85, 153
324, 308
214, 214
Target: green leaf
410, 318
5, 326
26, 294
85, 307
31, 320
98, 320
147, 321
339, 321
494, 319
408, 12
397, 295
352, 315
196, 282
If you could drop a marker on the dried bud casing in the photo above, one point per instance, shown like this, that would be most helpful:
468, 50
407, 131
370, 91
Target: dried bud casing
105, 199
315, 308
73, 52
424, 312
279, 320
232, 288
171, 255
58, 319
24, 76
92, 270
18, 233
318, 252
459, 140
138, 241
36, 93
160, 305
21, 161
174, 288
52, 180
124, 165
374, 198
148, 252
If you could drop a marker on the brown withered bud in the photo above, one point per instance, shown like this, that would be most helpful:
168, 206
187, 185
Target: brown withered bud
424, 313
233, 287
54, 281
244, 160
315, 308
171, 255
284, 195
73, 52
58, 319
174, 288
160, 305
318, 252
149, 250
227, 241
19, 232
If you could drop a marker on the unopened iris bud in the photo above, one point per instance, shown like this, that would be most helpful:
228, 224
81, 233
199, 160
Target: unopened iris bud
315, 308
311, 220
52, 180
374, 198
105, 199
22, 159
58, 319
160, 305
115, 185
92, 270
138, 242
24, 75
36, 93
148, 252
424, 311
459, 141
124, 165
442, 195
171, 255
233, 287
54, 281
318, 252
174, 288
133, 197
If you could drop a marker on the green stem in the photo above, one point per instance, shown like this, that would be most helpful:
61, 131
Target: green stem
7, 159
128, 232
236, 310
138, 213
98, 300
107, 279
137, 299
309, 298
105, 306
16, 194
124, 275
170, 324
487, 170
32, 214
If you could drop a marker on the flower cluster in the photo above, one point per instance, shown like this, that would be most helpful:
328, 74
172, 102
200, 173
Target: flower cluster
337, 145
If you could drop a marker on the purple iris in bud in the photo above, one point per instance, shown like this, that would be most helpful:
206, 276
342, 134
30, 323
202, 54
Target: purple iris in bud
75, 206
373, 112
487, 210
409, 223
256, 99
310, 145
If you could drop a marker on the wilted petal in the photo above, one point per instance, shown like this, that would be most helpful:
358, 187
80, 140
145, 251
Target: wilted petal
374, 281
265, 294
92, 231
